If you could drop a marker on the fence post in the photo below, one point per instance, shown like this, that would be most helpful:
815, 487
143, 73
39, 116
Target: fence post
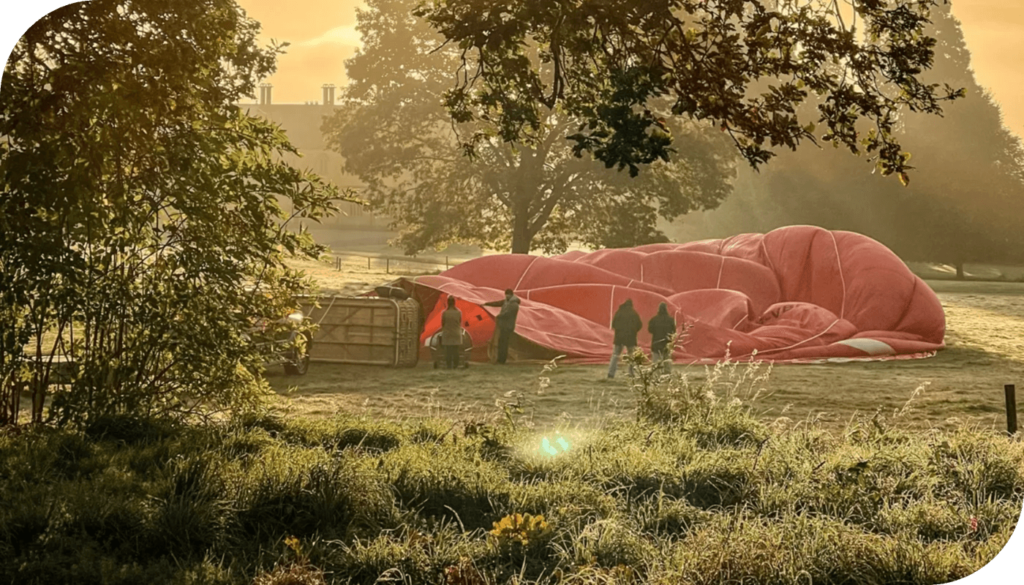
1011, 408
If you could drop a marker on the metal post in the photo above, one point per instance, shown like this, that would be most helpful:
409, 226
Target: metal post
1011, 409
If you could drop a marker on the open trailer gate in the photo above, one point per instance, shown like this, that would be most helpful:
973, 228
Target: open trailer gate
365, 330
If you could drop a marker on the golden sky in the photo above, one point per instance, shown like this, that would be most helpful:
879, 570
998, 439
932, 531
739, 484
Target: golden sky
322, 35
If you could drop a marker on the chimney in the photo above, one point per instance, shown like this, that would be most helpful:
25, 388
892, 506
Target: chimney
328, 94
263, 93
270, 89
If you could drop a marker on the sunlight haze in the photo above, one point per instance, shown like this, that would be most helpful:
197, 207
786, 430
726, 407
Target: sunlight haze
322, 35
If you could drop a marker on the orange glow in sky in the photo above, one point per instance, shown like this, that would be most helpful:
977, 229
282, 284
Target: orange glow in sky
322, 35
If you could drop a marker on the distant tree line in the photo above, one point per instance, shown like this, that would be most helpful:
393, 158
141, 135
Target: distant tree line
964, 204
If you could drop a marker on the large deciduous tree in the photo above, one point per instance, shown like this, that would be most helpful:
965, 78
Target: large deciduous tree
395, 134
141, 233
745, 65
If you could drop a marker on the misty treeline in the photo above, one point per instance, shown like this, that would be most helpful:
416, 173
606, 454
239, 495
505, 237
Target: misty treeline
512, 125
141, 230
964, 203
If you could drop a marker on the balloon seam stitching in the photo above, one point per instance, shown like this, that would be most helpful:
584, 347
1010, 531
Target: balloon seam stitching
523, 275
839, 265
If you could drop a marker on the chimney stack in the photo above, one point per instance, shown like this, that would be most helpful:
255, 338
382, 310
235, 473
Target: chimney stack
264, 93
328, 94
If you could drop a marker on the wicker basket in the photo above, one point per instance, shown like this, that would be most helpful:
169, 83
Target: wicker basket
365, 330
407, 337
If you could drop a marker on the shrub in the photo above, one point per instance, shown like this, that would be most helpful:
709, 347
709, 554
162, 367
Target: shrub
517, 534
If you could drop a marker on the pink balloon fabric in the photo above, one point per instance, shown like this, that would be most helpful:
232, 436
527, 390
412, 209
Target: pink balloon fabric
796, 294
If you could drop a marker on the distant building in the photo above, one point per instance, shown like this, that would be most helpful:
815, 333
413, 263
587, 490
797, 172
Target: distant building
302, 124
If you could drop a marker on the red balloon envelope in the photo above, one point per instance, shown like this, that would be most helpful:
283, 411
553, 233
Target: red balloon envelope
796, 294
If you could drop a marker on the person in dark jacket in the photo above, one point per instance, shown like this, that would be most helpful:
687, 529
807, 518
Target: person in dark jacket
626, 323
451, 334
662, 328
505, 322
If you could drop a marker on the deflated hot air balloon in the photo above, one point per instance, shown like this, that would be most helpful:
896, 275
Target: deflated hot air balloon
796, 294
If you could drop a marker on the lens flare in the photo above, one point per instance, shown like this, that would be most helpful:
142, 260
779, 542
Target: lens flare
545, 446
561, 445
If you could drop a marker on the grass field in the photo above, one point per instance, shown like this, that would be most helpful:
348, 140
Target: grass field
688, 482
962, 384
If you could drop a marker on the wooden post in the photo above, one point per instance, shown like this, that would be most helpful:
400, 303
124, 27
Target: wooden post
446, 263
367, 262
1011, 408
387, 265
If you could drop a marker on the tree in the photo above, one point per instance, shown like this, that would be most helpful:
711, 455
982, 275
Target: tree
745, 65
395, 134
141, 233
962, 207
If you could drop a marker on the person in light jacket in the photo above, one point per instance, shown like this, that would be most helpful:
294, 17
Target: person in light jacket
505, 322
662, 328
451, 334
626, 323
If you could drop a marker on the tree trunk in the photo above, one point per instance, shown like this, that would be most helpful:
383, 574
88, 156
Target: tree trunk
959, 270
521, 237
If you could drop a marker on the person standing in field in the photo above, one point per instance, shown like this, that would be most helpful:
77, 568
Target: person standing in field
626, 323
505, 322
451, 334
662, 328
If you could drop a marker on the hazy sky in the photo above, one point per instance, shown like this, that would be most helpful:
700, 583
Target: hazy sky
322, 35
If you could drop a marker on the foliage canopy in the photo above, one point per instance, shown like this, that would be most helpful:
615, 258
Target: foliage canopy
963, 206
396, 135
745, 65
141, 226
